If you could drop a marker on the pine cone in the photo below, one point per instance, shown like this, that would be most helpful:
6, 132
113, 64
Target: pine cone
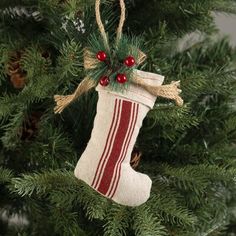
16, 73
30, 126
18, 80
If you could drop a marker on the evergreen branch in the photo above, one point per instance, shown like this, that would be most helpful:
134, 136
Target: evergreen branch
51, 144
11, 3
71, 7
216, 173
5, 175
117, 221
145, 223
229, 127
12, 129
42, 183
180, 17
70, 61
163, 115
67, 222
41, 88
7, 106
4, 56
228, 6
214, 216
94, 204
172, 211
194, 177
197, 178
205, 55
34, 63
64, 184
194, 193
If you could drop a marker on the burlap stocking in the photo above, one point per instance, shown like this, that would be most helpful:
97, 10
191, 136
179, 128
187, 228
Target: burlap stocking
105, 164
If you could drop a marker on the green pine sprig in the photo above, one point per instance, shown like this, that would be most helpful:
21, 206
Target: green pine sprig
114, 64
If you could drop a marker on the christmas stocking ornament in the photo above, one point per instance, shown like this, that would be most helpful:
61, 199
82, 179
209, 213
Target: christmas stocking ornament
126, 94
105, 164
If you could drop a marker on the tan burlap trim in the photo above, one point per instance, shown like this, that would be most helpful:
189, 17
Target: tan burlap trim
63, 101
169, 91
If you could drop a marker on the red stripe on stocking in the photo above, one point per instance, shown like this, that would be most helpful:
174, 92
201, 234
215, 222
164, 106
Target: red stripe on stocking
116, 148
114, 178
109, 141
125, 152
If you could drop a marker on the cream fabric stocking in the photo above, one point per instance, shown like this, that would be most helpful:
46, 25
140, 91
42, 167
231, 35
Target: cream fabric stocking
105, 164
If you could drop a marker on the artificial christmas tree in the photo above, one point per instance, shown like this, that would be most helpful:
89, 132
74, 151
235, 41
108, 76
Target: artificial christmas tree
188, 152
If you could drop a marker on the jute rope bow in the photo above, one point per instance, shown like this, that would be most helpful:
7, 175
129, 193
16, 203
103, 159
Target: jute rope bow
170, 91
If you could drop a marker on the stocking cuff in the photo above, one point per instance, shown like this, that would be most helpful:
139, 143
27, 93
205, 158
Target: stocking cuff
136, 93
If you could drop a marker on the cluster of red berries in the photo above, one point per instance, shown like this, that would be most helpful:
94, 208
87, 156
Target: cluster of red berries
120, 78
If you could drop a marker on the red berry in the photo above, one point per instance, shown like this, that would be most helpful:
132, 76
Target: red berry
121, 78
104, 81
129, 61
101, 56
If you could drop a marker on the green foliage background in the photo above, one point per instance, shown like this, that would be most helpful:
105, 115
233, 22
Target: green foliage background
189, 152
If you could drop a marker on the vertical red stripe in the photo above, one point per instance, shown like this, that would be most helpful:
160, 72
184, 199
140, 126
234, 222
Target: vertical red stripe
127, 146
116, 149
107, 145
110, 144
123, 150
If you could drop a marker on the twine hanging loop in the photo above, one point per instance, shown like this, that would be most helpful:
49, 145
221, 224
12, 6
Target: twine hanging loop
101, 26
